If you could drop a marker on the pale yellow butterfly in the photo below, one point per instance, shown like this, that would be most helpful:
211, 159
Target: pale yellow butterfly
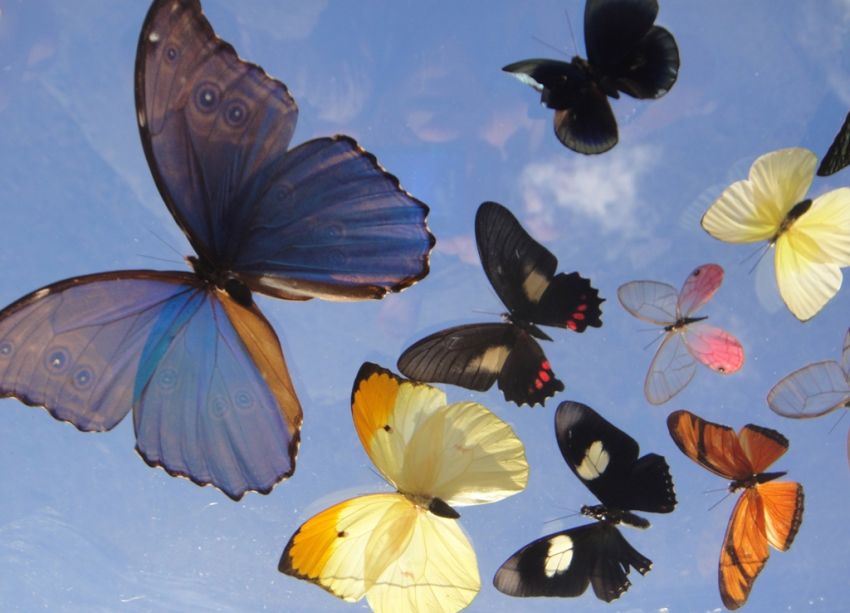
405, 551
810, 237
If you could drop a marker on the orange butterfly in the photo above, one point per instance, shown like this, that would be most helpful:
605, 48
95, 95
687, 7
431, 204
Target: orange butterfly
767, 512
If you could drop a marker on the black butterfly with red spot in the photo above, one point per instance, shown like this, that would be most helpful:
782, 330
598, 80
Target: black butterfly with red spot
522, 271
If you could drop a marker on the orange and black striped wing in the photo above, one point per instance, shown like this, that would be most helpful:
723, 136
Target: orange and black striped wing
712, 446
767, 514
763, 446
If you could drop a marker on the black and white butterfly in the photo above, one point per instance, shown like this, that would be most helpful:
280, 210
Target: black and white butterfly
522, 271
606, 460
625, 53
838, 155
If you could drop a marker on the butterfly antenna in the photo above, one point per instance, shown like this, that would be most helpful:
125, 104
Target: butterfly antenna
661, 335
572, 34
561, 518
166, 260
714, 506
552, 47
166, 243
837, 421
760, 251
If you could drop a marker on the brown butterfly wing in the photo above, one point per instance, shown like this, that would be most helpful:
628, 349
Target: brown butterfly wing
710, 445
744, 551
763, 446
767, 514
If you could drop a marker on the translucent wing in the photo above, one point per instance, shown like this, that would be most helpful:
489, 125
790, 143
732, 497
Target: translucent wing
811, 391
698, 288
712, 446
769, 513
838, 155
606, 460
671, 369
322, 220
753, 210
385, 548
211, 395
714, 347
650, 301
845, 353
522, 271
460, 453
624, 45
475, 356
565, 563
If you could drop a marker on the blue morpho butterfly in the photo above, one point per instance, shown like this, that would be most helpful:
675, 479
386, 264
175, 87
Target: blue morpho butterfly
625, 53
191, 353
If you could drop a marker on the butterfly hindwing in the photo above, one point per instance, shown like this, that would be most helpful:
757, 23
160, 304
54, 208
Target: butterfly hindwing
383, 547
606, 460
565, 563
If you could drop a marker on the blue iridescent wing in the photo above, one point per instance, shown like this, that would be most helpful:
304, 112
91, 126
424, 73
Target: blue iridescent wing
205, 377
323, 220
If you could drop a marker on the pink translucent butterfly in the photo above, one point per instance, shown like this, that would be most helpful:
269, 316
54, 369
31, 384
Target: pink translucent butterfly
687, 338
814, 390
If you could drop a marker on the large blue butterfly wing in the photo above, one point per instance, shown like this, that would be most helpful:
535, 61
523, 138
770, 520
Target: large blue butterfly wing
205, 377
322, 220
334, 224
211, 124
213, 398
74, 347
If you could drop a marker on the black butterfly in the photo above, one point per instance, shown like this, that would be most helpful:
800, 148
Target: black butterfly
522, 272
625, 53
838, 155
606, 460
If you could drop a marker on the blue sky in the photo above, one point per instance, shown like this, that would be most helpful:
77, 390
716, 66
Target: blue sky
85, 524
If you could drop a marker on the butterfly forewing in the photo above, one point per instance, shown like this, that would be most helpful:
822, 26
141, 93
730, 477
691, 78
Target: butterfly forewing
698, 288
198, 102
762, 446
811, 391
606, 460
650, 301
713, 446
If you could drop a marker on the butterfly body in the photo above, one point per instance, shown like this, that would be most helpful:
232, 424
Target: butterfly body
190, 354
687, 338
606, 460
523, 273
768, 512
625, 53
405, 551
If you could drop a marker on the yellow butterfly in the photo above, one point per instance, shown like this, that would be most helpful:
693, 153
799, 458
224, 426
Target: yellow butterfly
405, 551
811, 237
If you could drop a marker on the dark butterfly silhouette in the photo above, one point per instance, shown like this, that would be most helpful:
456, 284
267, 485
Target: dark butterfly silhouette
838, 155
625, 53
190, 353
606, 460
522, 271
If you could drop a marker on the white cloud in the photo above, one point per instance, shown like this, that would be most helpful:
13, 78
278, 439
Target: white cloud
603, 189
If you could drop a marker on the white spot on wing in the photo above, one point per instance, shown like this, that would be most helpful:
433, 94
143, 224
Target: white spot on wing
560, 555
492, 359
534, 285
153, 37
594, 463
524, 78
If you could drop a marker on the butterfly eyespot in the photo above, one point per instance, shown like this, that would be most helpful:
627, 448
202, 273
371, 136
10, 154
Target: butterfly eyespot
167, 380
207, 97
171, 54
244, 400
388, 428
83, 378
57, 360
236, 113
6, 349
342, 534
218, 406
